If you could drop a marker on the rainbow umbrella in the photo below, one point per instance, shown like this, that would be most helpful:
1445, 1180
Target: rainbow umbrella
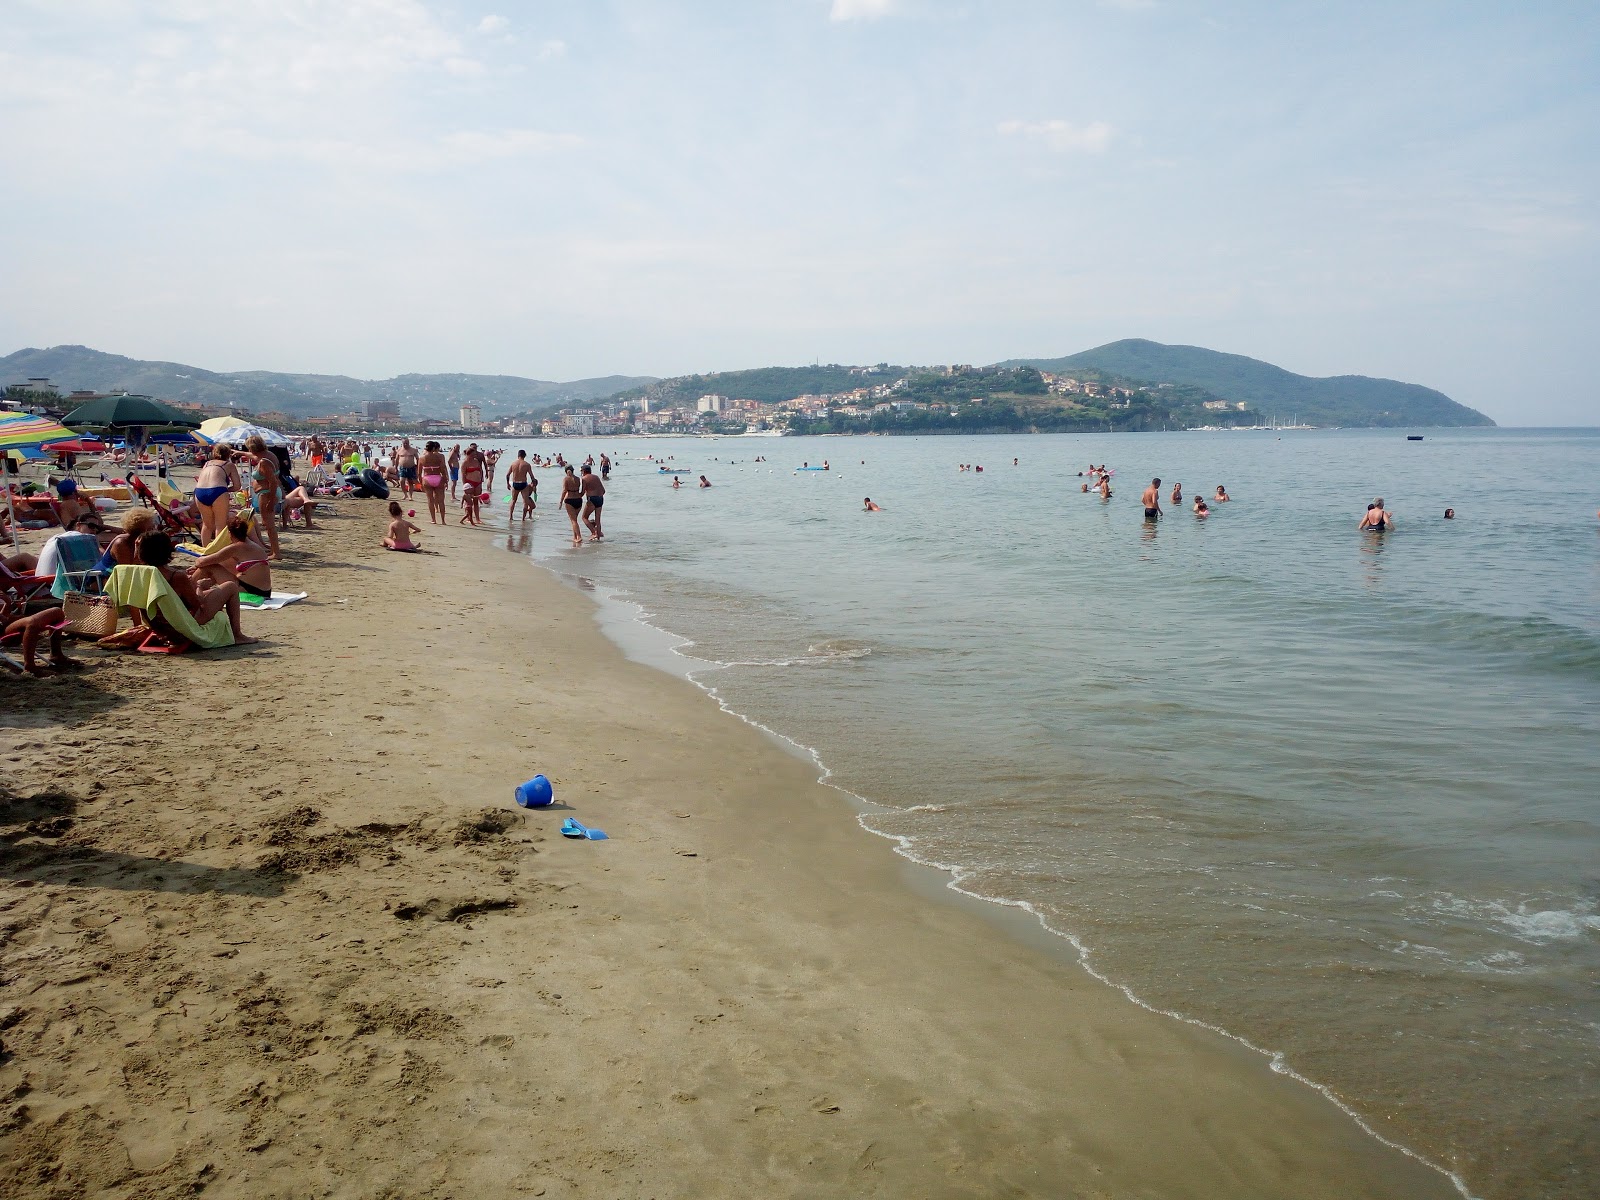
24, 432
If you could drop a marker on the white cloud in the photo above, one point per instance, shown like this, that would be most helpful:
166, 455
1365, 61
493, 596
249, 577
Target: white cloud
1062, 136
553, 48
493, 24
860, 10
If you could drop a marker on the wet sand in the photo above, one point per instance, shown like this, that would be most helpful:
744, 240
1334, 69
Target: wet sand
273, 927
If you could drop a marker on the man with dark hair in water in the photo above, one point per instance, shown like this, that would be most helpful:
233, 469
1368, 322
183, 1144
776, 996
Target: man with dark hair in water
1152, 500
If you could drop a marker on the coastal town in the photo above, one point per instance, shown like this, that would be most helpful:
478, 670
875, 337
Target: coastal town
877, 398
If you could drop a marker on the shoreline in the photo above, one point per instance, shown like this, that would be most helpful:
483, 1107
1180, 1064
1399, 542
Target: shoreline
939, 882
317, 947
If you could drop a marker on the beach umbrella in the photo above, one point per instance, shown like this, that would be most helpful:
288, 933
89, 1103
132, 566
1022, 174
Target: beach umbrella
126, 412
75, 446
212, 426
238, 435
25, 433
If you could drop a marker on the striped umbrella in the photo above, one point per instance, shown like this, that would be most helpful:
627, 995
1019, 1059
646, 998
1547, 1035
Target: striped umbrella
238, 435
24, 431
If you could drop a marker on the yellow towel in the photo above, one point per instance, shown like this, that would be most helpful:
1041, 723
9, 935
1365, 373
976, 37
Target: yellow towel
147, 588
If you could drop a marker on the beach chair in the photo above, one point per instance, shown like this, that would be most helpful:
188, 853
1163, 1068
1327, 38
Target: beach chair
180, 527
77, 555
147, 589
19, 593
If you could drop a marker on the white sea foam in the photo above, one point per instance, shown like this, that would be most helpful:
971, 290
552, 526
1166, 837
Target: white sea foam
1524, 922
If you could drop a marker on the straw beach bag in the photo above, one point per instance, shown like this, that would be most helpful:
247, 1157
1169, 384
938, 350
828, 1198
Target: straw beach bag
91, 616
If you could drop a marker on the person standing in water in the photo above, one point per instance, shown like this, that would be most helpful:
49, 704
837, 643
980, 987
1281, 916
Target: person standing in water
594, 499
1377, 518
572, 501
523, 485
1151, 499
1177, 494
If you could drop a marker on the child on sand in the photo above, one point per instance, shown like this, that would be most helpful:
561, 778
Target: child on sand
400, 530
469, 507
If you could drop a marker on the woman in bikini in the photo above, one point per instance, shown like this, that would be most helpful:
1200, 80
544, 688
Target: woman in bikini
432, 466
243, 561
572, 501
266, 492
203, 599
213, 492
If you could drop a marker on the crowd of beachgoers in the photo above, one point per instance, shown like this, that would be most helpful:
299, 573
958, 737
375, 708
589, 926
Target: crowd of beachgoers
216, 543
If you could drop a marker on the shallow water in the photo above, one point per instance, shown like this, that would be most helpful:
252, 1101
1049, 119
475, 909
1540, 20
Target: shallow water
1331, 792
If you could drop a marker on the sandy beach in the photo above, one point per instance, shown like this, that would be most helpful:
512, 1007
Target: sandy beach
274, 927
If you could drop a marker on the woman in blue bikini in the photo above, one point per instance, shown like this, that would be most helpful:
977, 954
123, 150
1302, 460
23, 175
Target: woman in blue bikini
213, 492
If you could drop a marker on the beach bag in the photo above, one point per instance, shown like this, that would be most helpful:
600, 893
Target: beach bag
91, 616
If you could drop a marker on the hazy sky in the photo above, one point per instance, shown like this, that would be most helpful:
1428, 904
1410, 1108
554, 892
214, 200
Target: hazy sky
560, 189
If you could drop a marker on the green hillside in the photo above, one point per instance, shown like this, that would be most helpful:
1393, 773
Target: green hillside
73, 368
1343, 400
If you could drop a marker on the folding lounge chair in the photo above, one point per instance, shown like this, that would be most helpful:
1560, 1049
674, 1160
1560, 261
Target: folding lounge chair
147, 589
179, 527
76, 556
18, 593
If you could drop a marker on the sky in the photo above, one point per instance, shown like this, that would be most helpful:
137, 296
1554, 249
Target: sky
563, 190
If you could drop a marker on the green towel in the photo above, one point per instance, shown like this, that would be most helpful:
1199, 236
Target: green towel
147, 588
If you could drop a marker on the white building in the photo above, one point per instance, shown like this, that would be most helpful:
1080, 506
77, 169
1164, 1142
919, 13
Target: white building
712, 404
471, 416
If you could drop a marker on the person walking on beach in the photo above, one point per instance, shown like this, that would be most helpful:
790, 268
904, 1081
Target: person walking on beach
594, 497
1152, 500
523, 485
572, 501
432, 466
455, 468
405, 459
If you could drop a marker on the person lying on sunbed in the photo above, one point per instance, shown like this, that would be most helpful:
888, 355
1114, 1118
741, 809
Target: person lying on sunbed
203, 598
33, 627
243, 561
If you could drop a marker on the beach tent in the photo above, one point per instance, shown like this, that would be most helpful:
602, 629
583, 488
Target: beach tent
24, 433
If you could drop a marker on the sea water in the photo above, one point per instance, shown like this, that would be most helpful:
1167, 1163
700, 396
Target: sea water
1332, 792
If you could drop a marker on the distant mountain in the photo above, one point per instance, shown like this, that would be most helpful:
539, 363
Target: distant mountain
1345, 400
75, 368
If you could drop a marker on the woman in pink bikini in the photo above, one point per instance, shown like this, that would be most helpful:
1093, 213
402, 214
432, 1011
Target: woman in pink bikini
434, 469
243, 561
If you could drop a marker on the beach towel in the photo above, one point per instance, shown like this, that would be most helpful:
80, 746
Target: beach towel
147, 588
276, 600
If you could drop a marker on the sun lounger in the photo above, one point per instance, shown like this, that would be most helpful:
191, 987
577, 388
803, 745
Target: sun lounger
147, 589
18, 593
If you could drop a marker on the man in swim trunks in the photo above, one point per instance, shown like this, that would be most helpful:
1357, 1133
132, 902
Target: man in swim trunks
594, 499
455, 468
1152, 500
520, 475
405, 459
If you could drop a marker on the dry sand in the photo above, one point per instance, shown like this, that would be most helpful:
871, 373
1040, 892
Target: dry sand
273, 927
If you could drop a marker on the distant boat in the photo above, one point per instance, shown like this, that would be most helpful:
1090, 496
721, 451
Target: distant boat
1413, 437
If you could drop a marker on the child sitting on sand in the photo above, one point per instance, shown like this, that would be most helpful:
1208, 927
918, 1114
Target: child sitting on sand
400, 529
469, 507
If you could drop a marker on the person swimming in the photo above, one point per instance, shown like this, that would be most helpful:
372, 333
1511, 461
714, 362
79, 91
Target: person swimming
868, 506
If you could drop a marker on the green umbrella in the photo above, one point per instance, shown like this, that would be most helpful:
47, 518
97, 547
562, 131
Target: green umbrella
123, 412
